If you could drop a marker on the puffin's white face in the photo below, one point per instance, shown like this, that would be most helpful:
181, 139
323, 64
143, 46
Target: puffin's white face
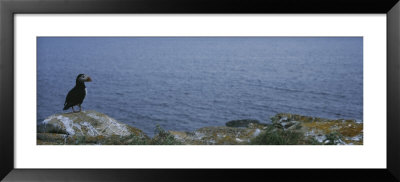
84, 78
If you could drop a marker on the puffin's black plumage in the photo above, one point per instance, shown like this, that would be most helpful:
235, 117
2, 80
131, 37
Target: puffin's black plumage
77, 94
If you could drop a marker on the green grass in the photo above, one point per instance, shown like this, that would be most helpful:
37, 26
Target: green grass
333, 138
273, 136
163, 137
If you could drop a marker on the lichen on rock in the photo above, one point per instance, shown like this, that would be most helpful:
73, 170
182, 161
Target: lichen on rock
91, 127
88, 125
326, 131
219, 135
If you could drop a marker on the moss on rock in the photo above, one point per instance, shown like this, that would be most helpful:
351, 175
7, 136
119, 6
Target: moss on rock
325, 131
219, 135
94, 128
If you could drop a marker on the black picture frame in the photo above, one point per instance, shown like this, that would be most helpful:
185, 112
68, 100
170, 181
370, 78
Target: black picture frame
8, 8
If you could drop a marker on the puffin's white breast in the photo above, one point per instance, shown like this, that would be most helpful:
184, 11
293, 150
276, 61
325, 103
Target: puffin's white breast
85, 91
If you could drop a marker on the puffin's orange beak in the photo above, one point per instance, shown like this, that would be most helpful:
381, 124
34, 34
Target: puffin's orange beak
89, 79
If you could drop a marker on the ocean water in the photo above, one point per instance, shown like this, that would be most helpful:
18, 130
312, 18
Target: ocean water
185, 83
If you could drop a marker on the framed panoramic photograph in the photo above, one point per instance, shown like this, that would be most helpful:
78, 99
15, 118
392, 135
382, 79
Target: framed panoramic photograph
145, 91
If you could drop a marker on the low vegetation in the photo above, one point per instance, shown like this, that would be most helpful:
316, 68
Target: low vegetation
93, 128
161, 137
273, 136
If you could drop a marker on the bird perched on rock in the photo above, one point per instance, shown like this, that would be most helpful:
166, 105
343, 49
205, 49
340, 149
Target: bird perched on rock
77, 94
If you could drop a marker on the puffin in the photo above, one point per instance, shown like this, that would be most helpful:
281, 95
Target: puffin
77, 94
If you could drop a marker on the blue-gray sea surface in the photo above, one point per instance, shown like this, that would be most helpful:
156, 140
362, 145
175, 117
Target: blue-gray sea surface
185, 83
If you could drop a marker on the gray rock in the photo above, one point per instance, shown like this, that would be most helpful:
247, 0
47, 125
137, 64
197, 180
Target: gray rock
241, 123
219, 135
85, 123
87, 126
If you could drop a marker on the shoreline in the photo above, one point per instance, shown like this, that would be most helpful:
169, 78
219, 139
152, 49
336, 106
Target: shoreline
94, 128
152, 132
